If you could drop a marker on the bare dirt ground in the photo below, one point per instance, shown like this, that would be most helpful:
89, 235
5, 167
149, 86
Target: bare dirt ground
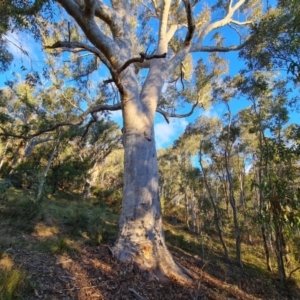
92, 273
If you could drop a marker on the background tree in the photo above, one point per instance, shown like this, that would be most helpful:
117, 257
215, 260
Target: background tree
276, 45
274, 163
16, 15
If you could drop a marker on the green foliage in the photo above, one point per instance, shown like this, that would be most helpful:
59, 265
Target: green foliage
61, 246
77, 220
275, 43
112, 197
4, 185
5, 57
11, 283
19, 209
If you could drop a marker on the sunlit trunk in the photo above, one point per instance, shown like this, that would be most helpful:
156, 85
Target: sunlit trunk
141, 238
3, 154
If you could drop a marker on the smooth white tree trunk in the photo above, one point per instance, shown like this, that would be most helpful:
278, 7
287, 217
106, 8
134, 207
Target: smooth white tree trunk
141, 237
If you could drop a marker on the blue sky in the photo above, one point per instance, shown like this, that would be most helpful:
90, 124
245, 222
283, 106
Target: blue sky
165, 133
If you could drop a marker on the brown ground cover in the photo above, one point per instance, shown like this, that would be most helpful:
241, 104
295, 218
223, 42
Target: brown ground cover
92, 273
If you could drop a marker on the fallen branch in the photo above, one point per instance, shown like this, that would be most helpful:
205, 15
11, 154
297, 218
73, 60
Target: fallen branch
136, 294
111, 251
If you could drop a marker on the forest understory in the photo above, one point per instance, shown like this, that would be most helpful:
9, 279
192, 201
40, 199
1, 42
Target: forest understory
54, 252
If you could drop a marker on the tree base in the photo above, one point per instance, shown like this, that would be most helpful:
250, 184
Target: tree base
152, 258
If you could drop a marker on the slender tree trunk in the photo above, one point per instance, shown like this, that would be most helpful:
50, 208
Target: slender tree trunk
3, 154
44, 175
216, 213
186, 202
258, 174
265, 243
225, 192
280, 243
234, 211
193, 210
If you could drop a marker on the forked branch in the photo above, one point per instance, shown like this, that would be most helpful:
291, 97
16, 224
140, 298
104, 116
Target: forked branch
140, 59
221, 23
80, 119
167, 115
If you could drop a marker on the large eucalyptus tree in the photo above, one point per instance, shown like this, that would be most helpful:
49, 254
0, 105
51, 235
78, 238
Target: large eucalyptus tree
117, 34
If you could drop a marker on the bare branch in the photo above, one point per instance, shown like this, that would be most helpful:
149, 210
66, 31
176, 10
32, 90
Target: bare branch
105, 44
105, 13
140, 59
171, 115
79, 46
220, 23
110, 17
18, 46
292, 272
78, 121
149, 14
197, 48
234, 8
229, 4
93, 120
236, 30
190, 21
242, 23
70, 102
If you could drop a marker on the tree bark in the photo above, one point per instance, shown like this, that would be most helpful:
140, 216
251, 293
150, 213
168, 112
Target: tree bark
141, 238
